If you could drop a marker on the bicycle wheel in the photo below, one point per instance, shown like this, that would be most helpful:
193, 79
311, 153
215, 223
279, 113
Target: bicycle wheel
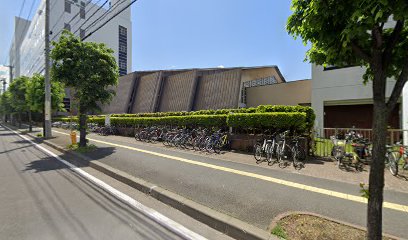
258, 152
338, 154
393, 158
269, 152
298, 156
285, 154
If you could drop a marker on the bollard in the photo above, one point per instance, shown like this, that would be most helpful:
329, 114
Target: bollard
73, 138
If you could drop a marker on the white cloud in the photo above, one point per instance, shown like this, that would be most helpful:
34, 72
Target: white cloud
220, 66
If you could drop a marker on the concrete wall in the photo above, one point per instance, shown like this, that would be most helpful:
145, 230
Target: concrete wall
339, 87
217, 91
147, 93
123, 91
178, 92
289, 93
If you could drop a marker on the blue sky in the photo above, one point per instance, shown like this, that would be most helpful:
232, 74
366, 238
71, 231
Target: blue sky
170, 34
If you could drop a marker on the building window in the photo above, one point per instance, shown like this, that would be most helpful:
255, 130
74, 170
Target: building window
67, 104
81, 33
122, 50
82, 12
67, 26
67, 6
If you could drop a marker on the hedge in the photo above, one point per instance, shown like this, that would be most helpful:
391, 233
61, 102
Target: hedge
193, 120
275, 120
264, 116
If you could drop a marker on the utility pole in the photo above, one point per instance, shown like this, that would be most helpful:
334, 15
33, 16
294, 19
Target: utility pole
47, 105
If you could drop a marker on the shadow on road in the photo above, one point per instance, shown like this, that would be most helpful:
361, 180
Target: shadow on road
50, 163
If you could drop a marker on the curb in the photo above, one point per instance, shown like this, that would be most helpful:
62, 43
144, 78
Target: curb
228, 225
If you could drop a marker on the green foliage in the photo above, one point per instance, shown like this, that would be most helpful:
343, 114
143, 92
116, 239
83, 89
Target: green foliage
18, 88
35, 94
364, 191
87, 67
5, 103
265, 116
341, 32
279, 231
274, 120
310, 116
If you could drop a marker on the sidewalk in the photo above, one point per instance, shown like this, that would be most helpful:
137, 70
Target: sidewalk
248, 199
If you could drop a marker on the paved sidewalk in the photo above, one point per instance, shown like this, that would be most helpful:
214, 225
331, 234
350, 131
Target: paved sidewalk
250, 199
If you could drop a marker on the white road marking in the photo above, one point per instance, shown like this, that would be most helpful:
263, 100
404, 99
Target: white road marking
164, 221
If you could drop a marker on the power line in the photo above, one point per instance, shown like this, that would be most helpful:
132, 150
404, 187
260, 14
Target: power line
130, 4
94, 15
27, 20
89, 10
76, 15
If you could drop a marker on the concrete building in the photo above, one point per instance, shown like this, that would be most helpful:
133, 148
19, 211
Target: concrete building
80, 17
189, 89
286, 93
340, 99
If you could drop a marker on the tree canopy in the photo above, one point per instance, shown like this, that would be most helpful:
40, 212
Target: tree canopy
87, 67
368, 33
35, 94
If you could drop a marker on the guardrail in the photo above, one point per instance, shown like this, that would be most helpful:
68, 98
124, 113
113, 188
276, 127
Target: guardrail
323, 144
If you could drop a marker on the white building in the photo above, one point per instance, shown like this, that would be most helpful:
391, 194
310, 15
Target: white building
340, 99
81, 17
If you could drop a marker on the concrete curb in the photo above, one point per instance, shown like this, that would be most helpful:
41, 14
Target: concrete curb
230, 226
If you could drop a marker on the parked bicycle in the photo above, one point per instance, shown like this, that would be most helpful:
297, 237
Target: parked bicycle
397, 158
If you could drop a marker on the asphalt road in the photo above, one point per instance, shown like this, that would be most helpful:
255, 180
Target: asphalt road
249, 199
42, 199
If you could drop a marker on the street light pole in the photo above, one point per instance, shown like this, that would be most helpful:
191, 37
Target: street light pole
47, 104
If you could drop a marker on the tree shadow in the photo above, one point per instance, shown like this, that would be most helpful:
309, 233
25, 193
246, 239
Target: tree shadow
14, 149
51, 163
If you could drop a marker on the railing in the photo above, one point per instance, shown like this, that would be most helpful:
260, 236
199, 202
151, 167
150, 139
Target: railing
323, 144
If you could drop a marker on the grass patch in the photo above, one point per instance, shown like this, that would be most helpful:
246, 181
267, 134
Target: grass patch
40, 135
308, 227
77, 148
278, 231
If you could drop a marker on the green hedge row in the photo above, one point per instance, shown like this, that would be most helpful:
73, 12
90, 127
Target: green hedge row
275, 120
193, 120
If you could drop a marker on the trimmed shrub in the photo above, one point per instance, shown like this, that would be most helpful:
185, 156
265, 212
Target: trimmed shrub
275, 120
193, 120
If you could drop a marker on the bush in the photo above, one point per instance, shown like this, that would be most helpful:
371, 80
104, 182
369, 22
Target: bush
273, 120
193, 120
264, 116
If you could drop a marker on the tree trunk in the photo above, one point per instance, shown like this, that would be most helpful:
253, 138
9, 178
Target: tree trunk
19, 119
82, 129
376, 179
30, 122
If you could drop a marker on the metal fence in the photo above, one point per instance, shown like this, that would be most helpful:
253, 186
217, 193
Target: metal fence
323, 145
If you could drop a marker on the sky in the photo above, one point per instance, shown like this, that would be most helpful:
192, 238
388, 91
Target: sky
177, 34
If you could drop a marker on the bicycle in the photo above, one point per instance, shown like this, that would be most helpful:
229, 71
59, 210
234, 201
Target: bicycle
298, 153
397, 157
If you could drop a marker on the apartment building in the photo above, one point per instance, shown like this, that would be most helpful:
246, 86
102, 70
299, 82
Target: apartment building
81, 17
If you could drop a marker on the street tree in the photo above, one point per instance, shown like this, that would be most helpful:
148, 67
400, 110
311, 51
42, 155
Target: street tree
5, 104
18, 88
89, 69
368, 33
35, 95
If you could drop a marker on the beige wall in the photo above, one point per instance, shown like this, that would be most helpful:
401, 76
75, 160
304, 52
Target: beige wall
123, 91
146, 94
289, 93
177, 92
217, 91
257, 73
